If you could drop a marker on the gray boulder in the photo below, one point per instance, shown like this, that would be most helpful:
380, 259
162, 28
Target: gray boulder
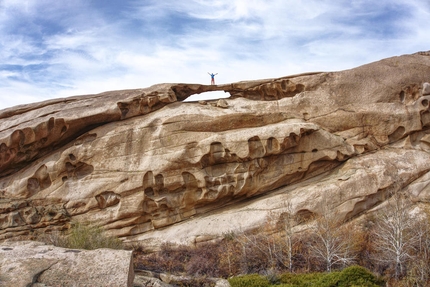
30, 263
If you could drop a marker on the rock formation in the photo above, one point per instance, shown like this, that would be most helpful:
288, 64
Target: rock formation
29, 263
148, 166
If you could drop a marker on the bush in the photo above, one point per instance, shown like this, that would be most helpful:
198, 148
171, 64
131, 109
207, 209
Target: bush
352, 276
173, 258
252, 280
54, 237
204, 260
358, 276
86, 236
307, 279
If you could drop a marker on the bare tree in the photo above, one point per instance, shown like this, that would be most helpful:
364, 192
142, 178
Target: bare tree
287, 222
332, 244
419, 268
275, 240
263, 243
396, 235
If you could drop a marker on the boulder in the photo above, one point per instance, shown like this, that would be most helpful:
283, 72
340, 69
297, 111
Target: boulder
30, 263
191, 281
145, 281
222, 103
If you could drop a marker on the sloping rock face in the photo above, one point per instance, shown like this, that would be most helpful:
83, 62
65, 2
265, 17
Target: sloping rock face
30, 263
147, 166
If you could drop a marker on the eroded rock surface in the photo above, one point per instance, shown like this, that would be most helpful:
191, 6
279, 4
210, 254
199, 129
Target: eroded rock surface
147, 166
30, 263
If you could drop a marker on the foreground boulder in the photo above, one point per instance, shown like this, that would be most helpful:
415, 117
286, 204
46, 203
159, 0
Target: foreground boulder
30, 263
151, 168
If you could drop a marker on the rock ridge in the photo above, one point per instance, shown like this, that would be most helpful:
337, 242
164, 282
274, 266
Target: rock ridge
144, 164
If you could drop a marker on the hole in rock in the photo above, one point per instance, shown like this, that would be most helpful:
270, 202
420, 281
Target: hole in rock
3, 147
214, 95
402, 96
51, 123
304, 215
397, 134
425, 103
425, 118
83, 170
272, 145
149, 191
107, 198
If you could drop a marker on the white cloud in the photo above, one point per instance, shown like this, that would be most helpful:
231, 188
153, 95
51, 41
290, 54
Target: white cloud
79, 47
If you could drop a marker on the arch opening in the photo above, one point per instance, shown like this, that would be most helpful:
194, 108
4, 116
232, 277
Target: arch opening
212, 95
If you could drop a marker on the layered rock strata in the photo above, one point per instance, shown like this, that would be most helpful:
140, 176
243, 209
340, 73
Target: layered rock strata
146, 165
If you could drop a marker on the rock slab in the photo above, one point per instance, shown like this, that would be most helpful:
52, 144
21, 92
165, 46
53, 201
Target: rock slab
30, 263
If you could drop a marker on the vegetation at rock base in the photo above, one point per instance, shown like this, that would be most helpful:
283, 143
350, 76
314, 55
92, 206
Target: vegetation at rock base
83, 236
252, 280
350, 276
393, 244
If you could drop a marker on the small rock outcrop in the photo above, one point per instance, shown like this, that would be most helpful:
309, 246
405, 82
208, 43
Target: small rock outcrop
30, 263
149, 167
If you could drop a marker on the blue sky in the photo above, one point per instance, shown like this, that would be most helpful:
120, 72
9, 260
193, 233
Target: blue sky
51, 48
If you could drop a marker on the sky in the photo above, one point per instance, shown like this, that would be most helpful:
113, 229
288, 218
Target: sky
53, 49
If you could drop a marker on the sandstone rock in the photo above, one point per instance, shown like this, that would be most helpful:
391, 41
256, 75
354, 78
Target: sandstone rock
426, 89
151, 168
222, 283
144, 281
221, 103
185, 280
30, 263
167, 278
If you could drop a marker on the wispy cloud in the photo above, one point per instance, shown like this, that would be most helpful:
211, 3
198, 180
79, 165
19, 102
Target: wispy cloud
57, 49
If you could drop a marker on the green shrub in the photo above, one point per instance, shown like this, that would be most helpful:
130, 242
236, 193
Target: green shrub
194, 282
86, 236
252, 280
356, 276
272, 277
306, 279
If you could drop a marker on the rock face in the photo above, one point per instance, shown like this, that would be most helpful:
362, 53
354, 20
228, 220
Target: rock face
29, 263
147, 166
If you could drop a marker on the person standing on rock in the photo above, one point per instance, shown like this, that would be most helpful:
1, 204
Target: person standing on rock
212, 77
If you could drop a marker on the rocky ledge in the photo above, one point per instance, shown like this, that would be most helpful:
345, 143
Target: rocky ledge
150, 167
